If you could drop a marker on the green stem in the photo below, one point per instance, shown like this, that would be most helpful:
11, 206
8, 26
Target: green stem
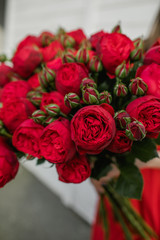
121, 205
103, 215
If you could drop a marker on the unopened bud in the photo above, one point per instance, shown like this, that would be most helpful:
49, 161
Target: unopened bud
49, 120
138, 43
72, 100
117, 29
88, 82
47, 79
120, 90
35, 97
122, 119
95, 64
105, 97
68, 58
38, 116
135, 131
138, 87
86, 44
136, 54
82, 55
121, 70
3, 58
67, 41
90, 95
52, 109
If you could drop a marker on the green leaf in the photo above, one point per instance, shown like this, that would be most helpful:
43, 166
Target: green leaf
40, 161
101, 168
144, 150
130, 182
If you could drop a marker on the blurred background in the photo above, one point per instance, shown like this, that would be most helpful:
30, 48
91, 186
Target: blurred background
29, 205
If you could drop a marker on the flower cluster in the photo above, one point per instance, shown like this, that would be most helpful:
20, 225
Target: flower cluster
72, 100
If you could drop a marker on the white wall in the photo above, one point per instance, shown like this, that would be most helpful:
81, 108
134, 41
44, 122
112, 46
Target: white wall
33, 16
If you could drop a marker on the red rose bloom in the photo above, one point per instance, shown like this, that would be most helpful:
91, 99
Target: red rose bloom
15, 111
75, 170
150, 74
5, 73
34, 81
54, 97
78, 35
152, 55
54, 64
18, 88
146, 110
30, 40
121, 143
95, 38
69, 77
26, 137
113, 49
26, 60
8, 163
92, 129
55, 143
50, 51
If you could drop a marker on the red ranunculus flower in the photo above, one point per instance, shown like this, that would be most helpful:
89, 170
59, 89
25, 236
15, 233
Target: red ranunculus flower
69, 77
75, 170
150, 74
54, 97
92, 129
146, 110
18, 88
26, 137
26, 60
95, 38
50, 51
121, 143
15, 111
152, 55
34, 81
30, 40
55, 64
113, 49
56, 143
78, 35
8, 163
5, 73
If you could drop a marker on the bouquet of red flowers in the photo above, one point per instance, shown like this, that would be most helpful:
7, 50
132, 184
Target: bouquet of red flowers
83, 104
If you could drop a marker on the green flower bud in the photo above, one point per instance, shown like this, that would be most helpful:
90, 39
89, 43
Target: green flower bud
120, 90
135, 131
117, 29
35, 97
47, 79
90, 95
95, 64
39, 116
82, 55
105, 97
72, 100
136, 54
122, 119
52, 109
138, 87
49, 120
121, 70
3, 58
88, 82
67, 41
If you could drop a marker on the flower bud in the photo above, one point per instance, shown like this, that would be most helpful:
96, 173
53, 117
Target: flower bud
105, 97
120, 90
117, 29
136, 54
82, 55
86, 44
138, 87
52, 109
88, 82
38, 116
72, 100
35, 97
67, 58
46, 38
49, 120
67, 41
121, 70
138, 43
47, 79
95, 64
3, 58
122, 119
135, 131
90, 95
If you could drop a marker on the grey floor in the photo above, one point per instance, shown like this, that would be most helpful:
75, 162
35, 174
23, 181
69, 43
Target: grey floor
29, 211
